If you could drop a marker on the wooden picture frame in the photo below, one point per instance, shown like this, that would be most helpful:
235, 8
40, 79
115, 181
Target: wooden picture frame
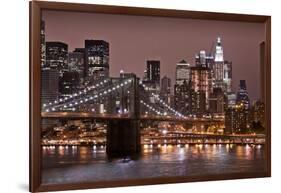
36, 8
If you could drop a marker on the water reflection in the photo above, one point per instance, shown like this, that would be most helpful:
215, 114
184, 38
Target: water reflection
89, 163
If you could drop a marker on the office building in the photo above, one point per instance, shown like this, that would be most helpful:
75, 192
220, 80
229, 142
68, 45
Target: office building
57, 56
50, 85
185, 98
242, 95
96, 59
183, 72
76, 63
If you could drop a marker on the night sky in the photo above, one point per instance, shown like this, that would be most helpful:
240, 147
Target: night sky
135, 39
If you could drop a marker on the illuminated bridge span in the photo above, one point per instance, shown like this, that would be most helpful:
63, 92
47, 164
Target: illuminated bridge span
89, 115
122, 103
129, 92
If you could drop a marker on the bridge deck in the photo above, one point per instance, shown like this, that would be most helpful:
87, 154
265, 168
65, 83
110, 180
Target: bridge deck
88, 115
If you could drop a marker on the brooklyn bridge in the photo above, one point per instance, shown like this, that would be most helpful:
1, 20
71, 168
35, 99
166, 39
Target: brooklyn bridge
98, 102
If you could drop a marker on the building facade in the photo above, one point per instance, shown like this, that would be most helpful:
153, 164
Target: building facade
50, 85
242, 95
96, 59
185, 98
200, 76
57, 56
76, 63
165, 91
183, 72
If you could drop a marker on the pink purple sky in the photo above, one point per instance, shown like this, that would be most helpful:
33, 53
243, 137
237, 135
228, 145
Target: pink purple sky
135, 39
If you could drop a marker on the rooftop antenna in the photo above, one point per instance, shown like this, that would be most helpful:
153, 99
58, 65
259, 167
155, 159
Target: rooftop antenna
212, 48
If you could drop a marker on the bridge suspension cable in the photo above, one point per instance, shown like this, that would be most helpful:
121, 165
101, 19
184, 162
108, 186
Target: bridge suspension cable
151, 108
79, 101
163, 103
75, 95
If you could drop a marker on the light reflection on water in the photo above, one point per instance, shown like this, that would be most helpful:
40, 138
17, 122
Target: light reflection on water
68, 164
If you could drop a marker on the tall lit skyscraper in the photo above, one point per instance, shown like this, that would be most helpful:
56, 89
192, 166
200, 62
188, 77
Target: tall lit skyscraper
96, 59
182, 72
219, 51
218, 65
200, 77
56, 56
221, 69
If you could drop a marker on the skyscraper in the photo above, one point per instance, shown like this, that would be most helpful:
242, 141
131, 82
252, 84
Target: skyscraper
221, 70
166, 85
56, 56
237, 119
185, 98
50, 85
76, 63
200, 77
242, 95
96, 59
165, 91
153, 71
200, 59
218, 65
219, 51
227, 76
216, 101
230, 100
69, 83
182, 72
152, 79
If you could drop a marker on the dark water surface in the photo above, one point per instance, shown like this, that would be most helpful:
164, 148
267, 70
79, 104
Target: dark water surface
72, 164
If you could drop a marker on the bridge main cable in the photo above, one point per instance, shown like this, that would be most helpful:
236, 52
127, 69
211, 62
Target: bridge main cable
66, 103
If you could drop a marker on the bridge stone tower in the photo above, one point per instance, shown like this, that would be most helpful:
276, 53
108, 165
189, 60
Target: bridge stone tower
123, 135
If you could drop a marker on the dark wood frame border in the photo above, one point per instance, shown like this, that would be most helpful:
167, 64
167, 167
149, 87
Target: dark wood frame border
36, 8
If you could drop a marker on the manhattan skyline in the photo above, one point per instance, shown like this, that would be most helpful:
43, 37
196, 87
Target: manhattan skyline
136, 39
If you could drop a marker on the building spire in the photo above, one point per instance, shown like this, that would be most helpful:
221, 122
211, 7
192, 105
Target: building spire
219, 51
